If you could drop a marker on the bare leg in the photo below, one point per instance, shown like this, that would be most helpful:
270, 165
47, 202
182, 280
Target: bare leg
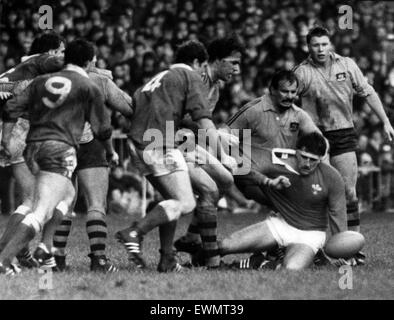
256, 237
298, 256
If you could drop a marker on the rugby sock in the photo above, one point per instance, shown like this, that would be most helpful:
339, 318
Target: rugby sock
207, 216
61, 236
193, 232
353, 216
12, 224
96, 229
167, 233
21, 238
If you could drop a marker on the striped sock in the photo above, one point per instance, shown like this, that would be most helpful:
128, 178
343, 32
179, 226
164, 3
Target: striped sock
61, 236
207, 216
96, 229
193, 232
353, 216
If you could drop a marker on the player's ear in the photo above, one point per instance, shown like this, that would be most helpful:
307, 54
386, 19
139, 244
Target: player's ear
196, 64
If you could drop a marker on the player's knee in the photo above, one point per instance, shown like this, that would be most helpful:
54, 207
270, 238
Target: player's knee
209, 194
34, 221
172, 209
351, 195
294, 264
187, 205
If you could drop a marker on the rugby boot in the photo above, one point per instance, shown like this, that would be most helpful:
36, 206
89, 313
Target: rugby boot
132, 242
101, 264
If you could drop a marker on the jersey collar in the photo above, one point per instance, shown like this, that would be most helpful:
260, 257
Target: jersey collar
181, 65
73, 67
24, 58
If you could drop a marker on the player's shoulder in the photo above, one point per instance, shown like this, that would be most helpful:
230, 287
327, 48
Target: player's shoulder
302, 66
184, 70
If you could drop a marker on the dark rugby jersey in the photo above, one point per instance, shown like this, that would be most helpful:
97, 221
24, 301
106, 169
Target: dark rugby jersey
58, 105
310, 200
167, 98
32, 67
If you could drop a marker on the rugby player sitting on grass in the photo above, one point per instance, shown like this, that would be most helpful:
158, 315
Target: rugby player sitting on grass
305, 201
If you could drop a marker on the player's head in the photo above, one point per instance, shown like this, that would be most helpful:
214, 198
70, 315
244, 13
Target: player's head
192, 53
283, 88
311, 148
50, 42
79, 52
225, 57
319, 45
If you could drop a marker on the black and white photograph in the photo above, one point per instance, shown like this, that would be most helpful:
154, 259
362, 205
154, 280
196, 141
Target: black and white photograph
195, 155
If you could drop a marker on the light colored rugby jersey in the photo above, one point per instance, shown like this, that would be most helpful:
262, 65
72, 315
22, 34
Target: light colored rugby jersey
327, 95
269, 128
165, 100
213, 89
114, 98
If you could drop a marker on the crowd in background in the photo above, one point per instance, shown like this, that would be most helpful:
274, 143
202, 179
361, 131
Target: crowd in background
137, 38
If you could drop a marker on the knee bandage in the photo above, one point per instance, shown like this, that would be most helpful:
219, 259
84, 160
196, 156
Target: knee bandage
172, 209
24, 210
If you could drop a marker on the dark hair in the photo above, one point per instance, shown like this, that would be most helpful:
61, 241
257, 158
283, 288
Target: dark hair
317, 32
313, 142
79, 52
190, 50
283, 75
221, 48
45, 42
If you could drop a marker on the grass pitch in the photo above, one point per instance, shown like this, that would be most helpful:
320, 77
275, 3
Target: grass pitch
373, 281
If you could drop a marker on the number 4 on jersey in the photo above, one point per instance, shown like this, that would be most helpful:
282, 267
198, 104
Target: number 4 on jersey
154, 83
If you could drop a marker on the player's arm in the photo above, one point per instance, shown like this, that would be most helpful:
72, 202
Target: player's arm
117, 99
336, 202
15, 108
364, 89
98, 115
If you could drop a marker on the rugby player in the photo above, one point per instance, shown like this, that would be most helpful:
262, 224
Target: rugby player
209, 175
307, 195
92, 170
57, 105
45, 56
161, 105
328, 82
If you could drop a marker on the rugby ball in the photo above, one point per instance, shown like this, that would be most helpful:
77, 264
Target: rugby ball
344, 244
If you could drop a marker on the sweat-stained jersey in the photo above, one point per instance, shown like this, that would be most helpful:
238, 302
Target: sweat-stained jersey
164, 101
57, 106
310, 200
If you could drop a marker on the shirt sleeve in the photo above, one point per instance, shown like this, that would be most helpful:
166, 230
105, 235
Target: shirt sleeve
196, 99
336, 202
117, 99
18, 106
306, 123
98, 116
239, 120
303, 82
359, 82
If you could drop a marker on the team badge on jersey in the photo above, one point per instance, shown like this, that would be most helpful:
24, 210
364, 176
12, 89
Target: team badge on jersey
316, 188
294, 126
341, 76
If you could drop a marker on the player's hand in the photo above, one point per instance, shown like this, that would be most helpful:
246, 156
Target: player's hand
5, 95
228, 138
113, 159
229, 162
389, 131
279, 183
